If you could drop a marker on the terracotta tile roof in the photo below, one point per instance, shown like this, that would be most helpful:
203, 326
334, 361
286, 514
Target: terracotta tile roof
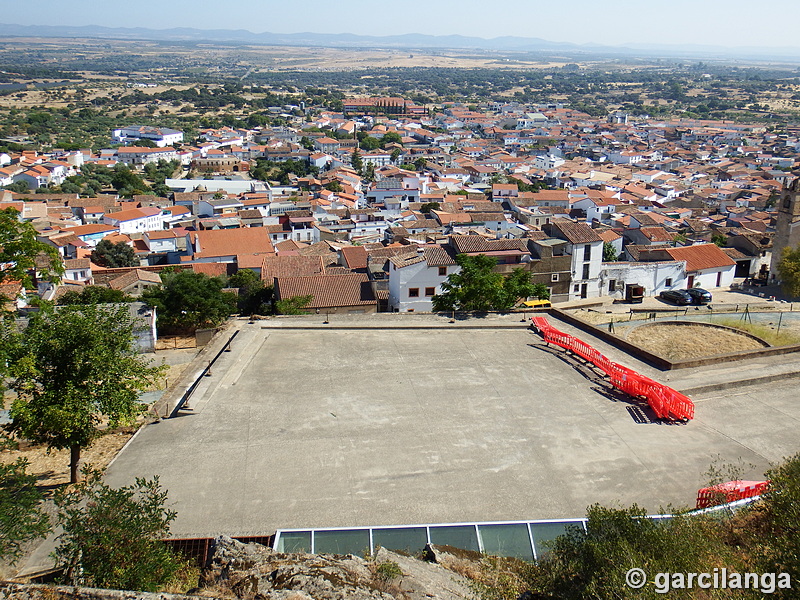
355, 257
701, 256
287, 246
213, 269
575, 233
230, 242
405, 260
437, 256
328, 291
389, 251
656, 234
471, 244
131, 277
290, 266
735, 253
77, 263
609, 235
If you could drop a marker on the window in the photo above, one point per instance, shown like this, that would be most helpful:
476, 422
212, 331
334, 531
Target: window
587, 252
430, 291
586, 271
668, 282
612, 285
442, 271
577, 288
554, 277
413, 292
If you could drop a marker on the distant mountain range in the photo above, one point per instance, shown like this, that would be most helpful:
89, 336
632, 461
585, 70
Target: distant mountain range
406, 41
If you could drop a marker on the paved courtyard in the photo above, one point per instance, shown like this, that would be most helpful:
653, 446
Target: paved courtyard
329, 428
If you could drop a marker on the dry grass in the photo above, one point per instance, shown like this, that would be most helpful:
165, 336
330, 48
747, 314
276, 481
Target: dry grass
52, 467
765, 332
679, 342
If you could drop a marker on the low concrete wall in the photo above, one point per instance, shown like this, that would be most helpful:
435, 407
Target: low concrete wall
651, 359
662, 363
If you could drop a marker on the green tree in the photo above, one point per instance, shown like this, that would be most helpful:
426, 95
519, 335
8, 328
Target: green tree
609, 252
356, 162
594, 563
21, 518
19, 250
719, 239
112, 537
395, 155
74, 369
391, 138
255, 296
333, 186
293, 306
429, 206
789, 271
477, 287
114, 255
781, 505
94, 294
420, 163
188, 301
519, 286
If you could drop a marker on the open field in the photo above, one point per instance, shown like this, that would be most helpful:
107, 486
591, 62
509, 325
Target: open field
300, 428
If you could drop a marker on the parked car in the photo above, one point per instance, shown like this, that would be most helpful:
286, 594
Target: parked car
699, 296
679, 297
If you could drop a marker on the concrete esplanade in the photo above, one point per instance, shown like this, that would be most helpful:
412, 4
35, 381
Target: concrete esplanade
391, 419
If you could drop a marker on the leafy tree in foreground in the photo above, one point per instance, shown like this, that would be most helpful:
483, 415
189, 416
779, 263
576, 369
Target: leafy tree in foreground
21, 520
94, 294
114, 256
189, 300
74, 369
19, 249
476, 287
112, 537
789, 271
293, 306
594, 563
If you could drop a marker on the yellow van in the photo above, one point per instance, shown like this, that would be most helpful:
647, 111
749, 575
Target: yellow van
537, 304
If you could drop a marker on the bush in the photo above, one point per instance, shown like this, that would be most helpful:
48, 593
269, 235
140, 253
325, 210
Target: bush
112, 537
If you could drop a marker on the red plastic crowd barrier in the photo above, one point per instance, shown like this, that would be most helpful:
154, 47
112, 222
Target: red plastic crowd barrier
665, 402
729, 491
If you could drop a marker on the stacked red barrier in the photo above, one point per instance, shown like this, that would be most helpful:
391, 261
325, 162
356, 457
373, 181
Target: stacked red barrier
665, 402
730, 491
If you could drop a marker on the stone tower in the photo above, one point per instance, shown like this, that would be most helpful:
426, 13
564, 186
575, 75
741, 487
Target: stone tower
787, 229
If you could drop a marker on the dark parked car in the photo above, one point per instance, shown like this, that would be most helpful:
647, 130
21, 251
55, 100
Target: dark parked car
699, 296
680, 297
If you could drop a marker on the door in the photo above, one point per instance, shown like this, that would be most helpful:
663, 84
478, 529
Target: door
584, 287
690, 282
719, 279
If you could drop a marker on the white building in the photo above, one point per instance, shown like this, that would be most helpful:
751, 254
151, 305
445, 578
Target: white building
137, 155
415, 278
654, 277
586, 249
160, 136
136, 220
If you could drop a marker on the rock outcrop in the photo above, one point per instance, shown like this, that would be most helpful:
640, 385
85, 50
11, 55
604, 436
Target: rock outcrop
250, 571
254, 572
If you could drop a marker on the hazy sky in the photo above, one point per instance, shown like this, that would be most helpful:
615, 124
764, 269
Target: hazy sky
733, 23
